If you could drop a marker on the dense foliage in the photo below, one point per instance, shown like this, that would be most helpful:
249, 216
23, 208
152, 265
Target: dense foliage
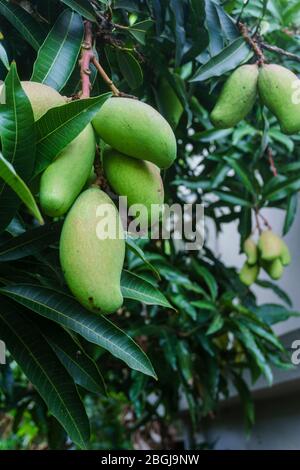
187, 319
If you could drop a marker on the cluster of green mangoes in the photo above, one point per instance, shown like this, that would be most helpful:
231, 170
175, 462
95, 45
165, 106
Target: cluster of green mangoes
139, 141
270, 253
278, 88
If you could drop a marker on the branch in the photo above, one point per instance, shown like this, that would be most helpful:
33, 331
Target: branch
105, 77
278, 50
271, 161
252, 43
87, 55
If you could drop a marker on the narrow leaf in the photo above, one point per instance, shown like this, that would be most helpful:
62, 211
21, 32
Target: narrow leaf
136, 288
83, 7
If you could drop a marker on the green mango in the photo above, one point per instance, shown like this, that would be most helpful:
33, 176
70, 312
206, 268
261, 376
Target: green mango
169, 103
237, 97
250, 250
270, 246
249, 274
274, 268
285, 256
63, 180
136, 129
42, 97
92, 263
139, 180
279, 90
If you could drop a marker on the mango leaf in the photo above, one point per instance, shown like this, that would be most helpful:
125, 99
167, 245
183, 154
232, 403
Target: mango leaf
216, 324
60, 125
208, 278
273, 313
136, 288
242, 172
30, 242
9, 175
69, 351
282, 189
65, 310
18, 147
3, 57
83, 7
139, 30
27, 26
130, 69
139, 252
58, 54
228, 59
44, 370
291, 212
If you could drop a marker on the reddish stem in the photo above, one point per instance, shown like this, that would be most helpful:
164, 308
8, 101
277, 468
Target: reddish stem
271, 161
87, 55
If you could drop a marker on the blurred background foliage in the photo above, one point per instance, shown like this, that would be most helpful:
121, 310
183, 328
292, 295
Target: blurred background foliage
174, 55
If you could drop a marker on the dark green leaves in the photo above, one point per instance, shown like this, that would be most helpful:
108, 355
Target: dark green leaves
58, 55
30, 29
30, 349
83, 7
60, 125
63, 309
18, 147
136, 288
130, 69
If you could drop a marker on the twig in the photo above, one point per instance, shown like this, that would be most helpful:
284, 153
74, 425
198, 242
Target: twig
252, 43
271, 161
278, 50
265, 221
256, 210
105, 77
85, 60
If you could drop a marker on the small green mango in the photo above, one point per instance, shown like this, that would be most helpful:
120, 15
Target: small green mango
136, 129
274, 268
249, 274
237, 97
139, 180
250, 250
279, 90
42, 97
169, 103
63, 180
285, 256
270, 246
92, 262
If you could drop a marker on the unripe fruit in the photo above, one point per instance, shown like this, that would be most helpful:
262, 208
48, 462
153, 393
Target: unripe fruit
249, 274
270, 245
279, 90
92, 263
169, 103
250, 250
237, 97
285, 256
41, 97
139, 180
63, 180
274, 269
136, 129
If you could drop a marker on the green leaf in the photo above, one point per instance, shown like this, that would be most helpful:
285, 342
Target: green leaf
65, 310
216, 324
276, 289
273, 313
3, 57
291, 212
130, 69
58, 55
60, 125
83, 7
30, 242
45, 372
228, 59
242, 172
139, 30
136, 288
9, 175
69, 351
208, 278
232, 198
18, 147
282, 189
139, 252
27, 26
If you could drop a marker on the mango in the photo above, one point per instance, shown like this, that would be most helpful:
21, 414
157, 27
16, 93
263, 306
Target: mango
237, 97
279, 90
274, 269
136, 129
270, 245
250, 250
42, 97
169, 103
249, 274
63, 180
285, 256
138, 180
92, 250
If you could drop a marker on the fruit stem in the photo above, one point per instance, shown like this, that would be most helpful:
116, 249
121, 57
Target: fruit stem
252, 43
85, 60
271, 161
278, 50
